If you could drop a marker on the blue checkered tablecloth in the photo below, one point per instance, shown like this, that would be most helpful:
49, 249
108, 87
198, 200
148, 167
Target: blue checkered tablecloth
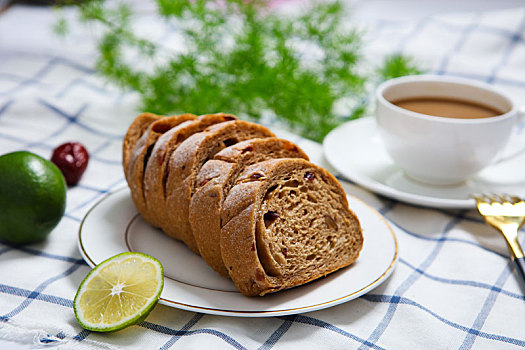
454, 286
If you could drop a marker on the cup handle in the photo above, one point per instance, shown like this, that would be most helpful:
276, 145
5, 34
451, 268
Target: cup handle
519, 133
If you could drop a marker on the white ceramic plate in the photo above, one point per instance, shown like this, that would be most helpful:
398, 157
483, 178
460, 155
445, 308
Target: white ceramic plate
356, 151
113, 226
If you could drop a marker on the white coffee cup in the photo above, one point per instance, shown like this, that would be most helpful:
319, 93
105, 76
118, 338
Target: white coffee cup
441, 150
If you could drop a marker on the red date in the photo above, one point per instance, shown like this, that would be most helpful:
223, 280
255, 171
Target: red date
309, 176
72, 159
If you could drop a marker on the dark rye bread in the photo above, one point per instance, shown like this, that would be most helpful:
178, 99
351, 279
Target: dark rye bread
140, 155
213, 183
286, 222
185, 164
135, 131
156, 173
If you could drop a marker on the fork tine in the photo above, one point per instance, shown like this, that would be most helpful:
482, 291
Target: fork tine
480, 197
507, 198
513, 199
496, 198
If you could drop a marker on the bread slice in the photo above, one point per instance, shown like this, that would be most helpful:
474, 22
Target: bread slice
185, 164
286, 222
140, 155
213, 183
135, 131
156, 173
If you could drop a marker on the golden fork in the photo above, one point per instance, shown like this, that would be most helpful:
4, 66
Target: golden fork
506, 213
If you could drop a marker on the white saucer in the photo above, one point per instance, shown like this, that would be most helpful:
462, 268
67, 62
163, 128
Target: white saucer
113, 226
356, 151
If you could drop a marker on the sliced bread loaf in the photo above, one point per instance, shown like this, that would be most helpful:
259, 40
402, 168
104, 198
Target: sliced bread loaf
286, 222
140, 155
214, 182
156, 172
185, 164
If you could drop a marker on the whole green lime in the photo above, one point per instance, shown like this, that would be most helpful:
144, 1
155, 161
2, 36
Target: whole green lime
32, 197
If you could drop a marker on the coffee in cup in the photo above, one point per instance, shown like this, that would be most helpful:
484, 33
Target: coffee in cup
447, 107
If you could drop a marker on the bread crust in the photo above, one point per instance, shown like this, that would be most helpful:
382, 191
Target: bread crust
214, 182
137, 127
246, 249
156, 172
185, 164
140, 154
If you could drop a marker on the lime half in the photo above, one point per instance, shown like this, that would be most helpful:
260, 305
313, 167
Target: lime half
119, 292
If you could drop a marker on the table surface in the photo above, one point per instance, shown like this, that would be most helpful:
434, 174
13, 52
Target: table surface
454, 286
